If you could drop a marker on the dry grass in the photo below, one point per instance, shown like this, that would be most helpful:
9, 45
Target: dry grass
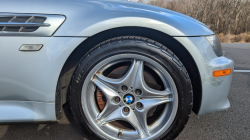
229, 38
229, 19
223, 16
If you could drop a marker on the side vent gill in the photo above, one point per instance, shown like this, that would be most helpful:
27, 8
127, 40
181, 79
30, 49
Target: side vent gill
18, 24
21, 23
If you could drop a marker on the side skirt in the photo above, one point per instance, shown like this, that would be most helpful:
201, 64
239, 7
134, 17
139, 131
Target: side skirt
13, 111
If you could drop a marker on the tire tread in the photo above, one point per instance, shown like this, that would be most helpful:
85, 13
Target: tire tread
151, 43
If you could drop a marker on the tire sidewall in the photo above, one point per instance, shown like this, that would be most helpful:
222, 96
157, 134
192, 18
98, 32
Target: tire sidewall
144, 47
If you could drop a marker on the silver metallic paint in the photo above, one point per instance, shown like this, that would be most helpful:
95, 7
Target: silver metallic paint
89, 17
26, 111
214, 89
32, 76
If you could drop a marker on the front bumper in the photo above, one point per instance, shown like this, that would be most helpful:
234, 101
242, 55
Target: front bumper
214, 89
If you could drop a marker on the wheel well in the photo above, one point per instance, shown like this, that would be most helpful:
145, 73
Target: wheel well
85, 46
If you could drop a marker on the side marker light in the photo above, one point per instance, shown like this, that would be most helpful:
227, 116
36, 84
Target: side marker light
30, 47
219, 73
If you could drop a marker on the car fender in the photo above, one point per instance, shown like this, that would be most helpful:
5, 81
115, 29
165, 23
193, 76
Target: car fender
119, 14
89, 17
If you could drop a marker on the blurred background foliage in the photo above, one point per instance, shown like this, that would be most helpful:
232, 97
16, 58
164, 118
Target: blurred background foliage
229, 19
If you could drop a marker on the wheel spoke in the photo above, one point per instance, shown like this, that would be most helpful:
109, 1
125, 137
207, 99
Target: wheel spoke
107, 91
147, 92
134, 121
142, 118
152, 93
147, 105
108, 109
116, 115
130, 117
126, 80
150, 103
110, 95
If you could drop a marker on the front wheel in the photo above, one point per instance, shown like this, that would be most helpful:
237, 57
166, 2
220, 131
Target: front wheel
130, 88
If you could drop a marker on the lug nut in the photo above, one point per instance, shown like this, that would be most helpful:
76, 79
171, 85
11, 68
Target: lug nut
117, 99
126, 109
139, 105
124, 88
138, 92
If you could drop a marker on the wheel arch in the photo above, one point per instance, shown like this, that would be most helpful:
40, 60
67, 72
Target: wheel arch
68, 69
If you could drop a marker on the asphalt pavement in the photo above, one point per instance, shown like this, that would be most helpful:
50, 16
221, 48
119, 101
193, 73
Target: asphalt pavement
230, 124
240, 53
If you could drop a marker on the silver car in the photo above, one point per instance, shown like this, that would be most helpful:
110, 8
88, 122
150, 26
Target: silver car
126, 70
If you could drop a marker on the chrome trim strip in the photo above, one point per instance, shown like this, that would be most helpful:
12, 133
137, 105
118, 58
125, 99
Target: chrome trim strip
11, 24
12, 19
23, 28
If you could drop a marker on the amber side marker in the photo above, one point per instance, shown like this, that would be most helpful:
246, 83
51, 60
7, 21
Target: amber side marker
219, 73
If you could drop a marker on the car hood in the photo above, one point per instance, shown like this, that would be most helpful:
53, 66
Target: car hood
152, 8
83, 16
37, 5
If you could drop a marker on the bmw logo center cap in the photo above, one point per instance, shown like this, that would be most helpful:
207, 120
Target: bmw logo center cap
128, 99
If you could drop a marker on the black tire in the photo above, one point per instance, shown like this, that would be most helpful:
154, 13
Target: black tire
134, 45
